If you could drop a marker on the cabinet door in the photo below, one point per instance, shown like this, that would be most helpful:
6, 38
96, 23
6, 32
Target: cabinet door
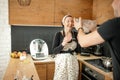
76, 8
50, 71
39, 12
41, 69
48, 12
80, 70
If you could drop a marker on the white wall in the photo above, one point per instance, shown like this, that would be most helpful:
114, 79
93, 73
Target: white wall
5, 37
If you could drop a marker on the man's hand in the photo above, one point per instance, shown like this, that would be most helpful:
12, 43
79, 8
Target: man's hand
89, 25
78, 23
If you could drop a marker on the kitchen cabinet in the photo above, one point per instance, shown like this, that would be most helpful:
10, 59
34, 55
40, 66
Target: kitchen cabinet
102, 10
80, 70
76, 8
39, 12
41, 70
48, 12
45, 70
50, 71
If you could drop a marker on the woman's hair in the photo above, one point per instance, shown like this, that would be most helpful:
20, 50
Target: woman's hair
63, 19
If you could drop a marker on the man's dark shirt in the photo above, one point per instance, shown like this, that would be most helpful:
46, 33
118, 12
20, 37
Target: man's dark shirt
110, 32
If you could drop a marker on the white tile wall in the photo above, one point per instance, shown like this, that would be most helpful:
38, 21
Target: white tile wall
5, 37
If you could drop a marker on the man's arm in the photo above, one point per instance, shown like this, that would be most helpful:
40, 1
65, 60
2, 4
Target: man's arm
86, 40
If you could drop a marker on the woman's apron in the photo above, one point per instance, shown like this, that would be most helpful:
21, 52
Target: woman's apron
66, 64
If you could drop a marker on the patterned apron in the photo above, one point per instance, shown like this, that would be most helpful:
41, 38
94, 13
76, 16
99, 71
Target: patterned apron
66, 65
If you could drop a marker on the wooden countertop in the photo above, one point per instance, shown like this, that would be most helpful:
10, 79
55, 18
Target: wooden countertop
24, 68
49, 59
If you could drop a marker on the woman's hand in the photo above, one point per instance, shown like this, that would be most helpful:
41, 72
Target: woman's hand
67, 38
78, 23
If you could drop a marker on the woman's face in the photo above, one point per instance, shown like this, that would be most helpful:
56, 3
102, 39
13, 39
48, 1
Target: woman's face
68, 23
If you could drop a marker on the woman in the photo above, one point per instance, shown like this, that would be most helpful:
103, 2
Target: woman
65, 46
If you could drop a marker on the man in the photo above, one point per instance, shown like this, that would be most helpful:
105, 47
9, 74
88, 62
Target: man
108, 31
